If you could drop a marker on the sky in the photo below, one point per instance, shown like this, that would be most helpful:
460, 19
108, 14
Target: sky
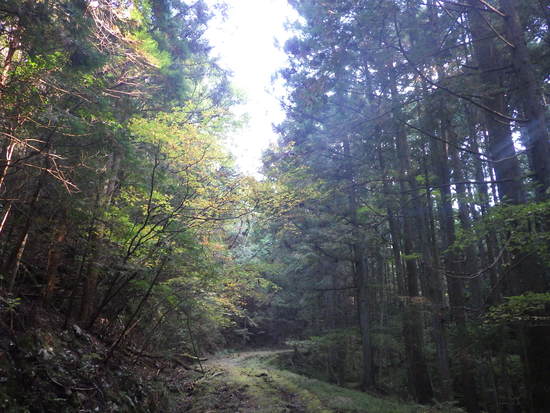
245, 43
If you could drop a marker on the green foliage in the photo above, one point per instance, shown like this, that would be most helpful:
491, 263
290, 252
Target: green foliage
411, 257
119, 116
37, 65
523, 224
149, 48
527, 309
9, 304
334, 356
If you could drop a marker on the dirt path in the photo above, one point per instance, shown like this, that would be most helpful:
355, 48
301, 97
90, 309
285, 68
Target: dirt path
249, 382
240, 383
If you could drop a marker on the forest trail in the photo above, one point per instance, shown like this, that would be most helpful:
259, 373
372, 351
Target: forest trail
248, 382
241, 382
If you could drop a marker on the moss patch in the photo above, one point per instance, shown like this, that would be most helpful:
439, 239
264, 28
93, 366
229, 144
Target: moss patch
251, 382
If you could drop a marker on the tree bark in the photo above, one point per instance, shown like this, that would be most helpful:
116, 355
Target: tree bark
55, 255
501, 144
413, 324
103, 201
467, 382
360, 271
530, 93
529, 275
14, 260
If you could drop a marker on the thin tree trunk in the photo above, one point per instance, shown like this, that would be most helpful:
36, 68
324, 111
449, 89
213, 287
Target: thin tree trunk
54, 258
138, 309
455, 285
7, 155
104, 198
14, 261
413, 324
432, 285
419, 382
6, 214
432, 282
360, 271
491, 241
470, 263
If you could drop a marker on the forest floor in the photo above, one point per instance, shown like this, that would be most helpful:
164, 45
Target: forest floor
250, 382
48, 368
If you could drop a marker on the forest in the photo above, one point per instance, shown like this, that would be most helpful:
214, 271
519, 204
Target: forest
394, 250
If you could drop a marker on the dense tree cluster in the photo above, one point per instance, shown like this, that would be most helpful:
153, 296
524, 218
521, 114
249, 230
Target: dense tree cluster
412, 187
117, 197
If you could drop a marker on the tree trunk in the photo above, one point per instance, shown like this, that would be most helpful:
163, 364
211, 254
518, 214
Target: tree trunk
432, 281
413, 324
528, 274
488, 253
54, 259
103, 201
360, 271
530, 93
470, 263
467, 383
501, 145
11, 266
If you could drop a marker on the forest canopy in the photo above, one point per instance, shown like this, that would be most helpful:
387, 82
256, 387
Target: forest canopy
413, 173
119, 198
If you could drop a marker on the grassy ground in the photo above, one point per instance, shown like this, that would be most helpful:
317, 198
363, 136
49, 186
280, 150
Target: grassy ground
249, 382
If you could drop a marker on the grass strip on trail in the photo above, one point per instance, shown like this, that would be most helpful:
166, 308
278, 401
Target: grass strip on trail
251, 382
